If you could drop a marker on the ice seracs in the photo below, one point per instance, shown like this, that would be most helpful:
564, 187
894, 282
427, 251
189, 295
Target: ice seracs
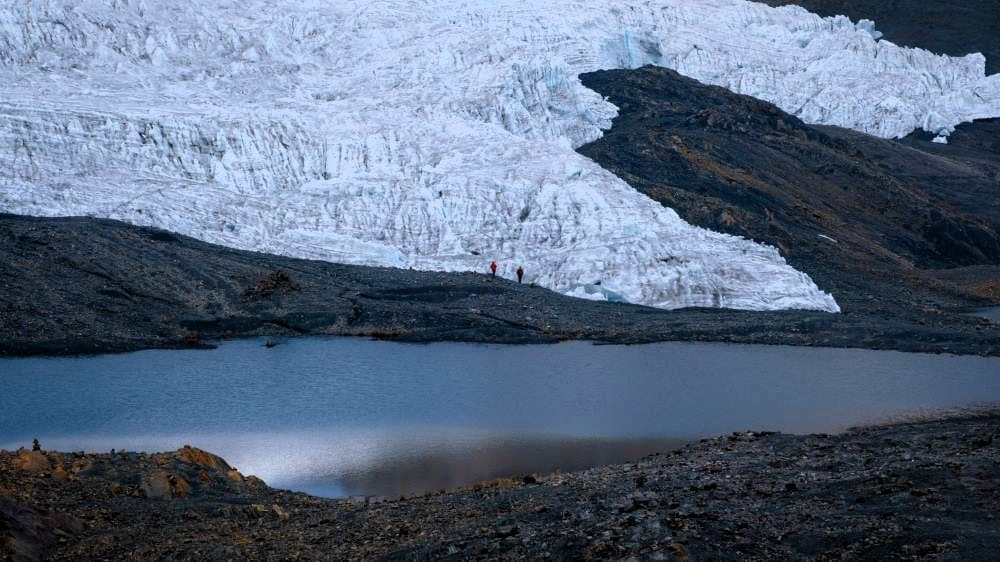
428, 134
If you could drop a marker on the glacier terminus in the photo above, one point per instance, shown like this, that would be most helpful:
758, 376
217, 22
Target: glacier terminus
430, 134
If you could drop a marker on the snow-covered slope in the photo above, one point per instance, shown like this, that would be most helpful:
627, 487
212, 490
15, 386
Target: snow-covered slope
427, 133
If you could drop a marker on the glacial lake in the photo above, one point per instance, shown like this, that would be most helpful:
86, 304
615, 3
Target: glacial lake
348, 416
992, 313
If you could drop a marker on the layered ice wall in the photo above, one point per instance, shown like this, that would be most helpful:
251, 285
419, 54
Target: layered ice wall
426, 133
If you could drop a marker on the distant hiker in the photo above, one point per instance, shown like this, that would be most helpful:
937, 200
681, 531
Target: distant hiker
493, 268
35, 445
520, 273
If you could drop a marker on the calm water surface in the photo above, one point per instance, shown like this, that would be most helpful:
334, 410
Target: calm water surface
343, 416
993, 313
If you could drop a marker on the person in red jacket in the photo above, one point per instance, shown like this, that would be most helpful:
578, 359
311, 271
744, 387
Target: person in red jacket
520, 273
493, 268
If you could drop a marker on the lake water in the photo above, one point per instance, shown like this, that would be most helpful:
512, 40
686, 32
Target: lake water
348, 416
993, 313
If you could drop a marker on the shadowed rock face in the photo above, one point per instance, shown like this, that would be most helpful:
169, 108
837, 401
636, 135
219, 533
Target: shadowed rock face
954, 28
861, 215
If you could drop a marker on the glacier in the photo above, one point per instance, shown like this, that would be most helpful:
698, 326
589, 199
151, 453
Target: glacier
430, 134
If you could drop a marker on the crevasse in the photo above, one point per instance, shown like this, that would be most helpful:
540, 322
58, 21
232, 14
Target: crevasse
428, 134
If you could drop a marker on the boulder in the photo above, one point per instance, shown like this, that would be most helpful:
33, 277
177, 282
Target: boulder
165, 486
32, 461
201, 458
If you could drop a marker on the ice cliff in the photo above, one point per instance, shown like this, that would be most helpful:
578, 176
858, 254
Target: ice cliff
425, 133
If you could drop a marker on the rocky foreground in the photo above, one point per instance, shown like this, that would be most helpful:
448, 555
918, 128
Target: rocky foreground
915, 490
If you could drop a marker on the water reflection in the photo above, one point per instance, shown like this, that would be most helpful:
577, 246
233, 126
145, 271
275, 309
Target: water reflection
450, 466
352, 417
992, 313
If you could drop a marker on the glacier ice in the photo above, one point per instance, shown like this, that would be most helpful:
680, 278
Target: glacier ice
429, 134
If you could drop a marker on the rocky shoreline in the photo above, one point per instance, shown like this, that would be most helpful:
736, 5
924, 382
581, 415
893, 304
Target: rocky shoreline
907, 491
84, 285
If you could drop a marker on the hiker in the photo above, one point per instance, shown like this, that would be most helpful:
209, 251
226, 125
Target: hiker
520, 273
493, 268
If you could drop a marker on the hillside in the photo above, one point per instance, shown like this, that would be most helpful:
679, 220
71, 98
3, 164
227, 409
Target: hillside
876, 221
84, 285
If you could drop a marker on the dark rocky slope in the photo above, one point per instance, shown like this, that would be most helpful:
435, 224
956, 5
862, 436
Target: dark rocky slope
919, 490
82, 285
871, 220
